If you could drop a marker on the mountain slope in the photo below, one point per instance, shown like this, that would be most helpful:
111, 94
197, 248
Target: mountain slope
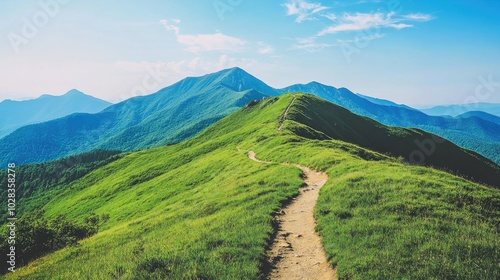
184, 109
334, 122
16, 114
168, 116
202, 209
481, 115
383, 102
471, 133
455, 110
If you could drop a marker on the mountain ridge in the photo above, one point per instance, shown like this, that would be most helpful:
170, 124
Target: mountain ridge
202, 209
339, 123
458, 109
16, 114
185, 108
161, 118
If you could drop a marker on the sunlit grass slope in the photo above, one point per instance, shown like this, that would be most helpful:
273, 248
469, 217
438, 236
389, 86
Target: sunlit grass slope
202, 210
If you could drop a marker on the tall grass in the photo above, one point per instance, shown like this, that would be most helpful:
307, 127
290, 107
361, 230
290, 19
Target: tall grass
202, 210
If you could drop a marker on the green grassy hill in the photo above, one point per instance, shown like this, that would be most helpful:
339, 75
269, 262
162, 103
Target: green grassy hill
202, 210
329, 121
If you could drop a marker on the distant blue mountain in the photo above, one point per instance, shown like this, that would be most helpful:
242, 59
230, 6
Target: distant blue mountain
480, 114
455, 110
187, 107
15, 114
471, 133
384, 102
171, 115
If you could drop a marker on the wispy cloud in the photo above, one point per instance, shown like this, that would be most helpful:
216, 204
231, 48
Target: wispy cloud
312, 47
210, 42
265, 48
204, 42
360, 39
303, 10
171, 27
363, 21
418, 17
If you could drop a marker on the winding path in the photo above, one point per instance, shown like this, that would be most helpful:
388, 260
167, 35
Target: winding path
285, 114
296, 252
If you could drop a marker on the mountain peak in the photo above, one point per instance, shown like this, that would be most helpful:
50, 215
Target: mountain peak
236, 72
240, 80
236, 69
314, 83
73, 92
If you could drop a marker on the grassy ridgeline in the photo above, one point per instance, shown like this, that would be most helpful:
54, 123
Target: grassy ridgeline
389, 220
202, 209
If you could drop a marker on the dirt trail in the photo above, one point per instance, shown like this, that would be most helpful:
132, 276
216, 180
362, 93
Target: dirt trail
296, 252
283, 118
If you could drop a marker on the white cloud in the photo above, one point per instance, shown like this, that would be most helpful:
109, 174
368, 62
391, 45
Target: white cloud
302, 9
265, 48
171, 27
361, 39
330, 16
312, 47
363, 21
310, 44
418, 17
204, 42
307, 40
210, 42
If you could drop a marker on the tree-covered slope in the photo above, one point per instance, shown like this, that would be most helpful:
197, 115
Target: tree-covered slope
482, 115
39, 183
202, 210
171, 115
458, 109
184, 109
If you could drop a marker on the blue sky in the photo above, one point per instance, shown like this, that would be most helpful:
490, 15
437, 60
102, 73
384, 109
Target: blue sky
414, 52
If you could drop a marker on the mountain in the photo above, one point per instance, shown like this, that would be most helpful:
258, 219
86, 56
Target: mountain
172, 114
472, 133
455, 110
480, 114
16, 114
384, 102
334, 122
184, 109
201, 209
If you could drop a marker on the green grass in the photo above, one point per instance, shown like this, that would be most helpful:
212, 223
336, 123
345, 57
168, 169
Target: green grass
202, 210
389, 221
383, 219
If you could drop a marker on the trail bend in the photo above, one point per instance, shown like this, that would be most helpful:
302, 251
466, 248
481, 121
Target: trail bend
296, 252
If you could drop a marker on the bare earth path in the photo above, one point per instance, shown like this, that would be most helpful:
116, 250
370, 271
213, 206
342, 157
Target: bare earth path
285, 114
296, 251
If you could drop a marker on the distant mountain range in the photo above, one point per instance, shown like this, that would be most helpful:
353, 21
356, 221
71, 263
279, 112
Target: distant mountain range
384, 102
173, 114
455, 110
473, 133
480, 114
16, 114
184, 109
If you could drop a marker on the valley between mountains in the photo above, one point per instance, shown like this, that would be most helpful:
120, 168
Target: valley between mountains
201, 209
